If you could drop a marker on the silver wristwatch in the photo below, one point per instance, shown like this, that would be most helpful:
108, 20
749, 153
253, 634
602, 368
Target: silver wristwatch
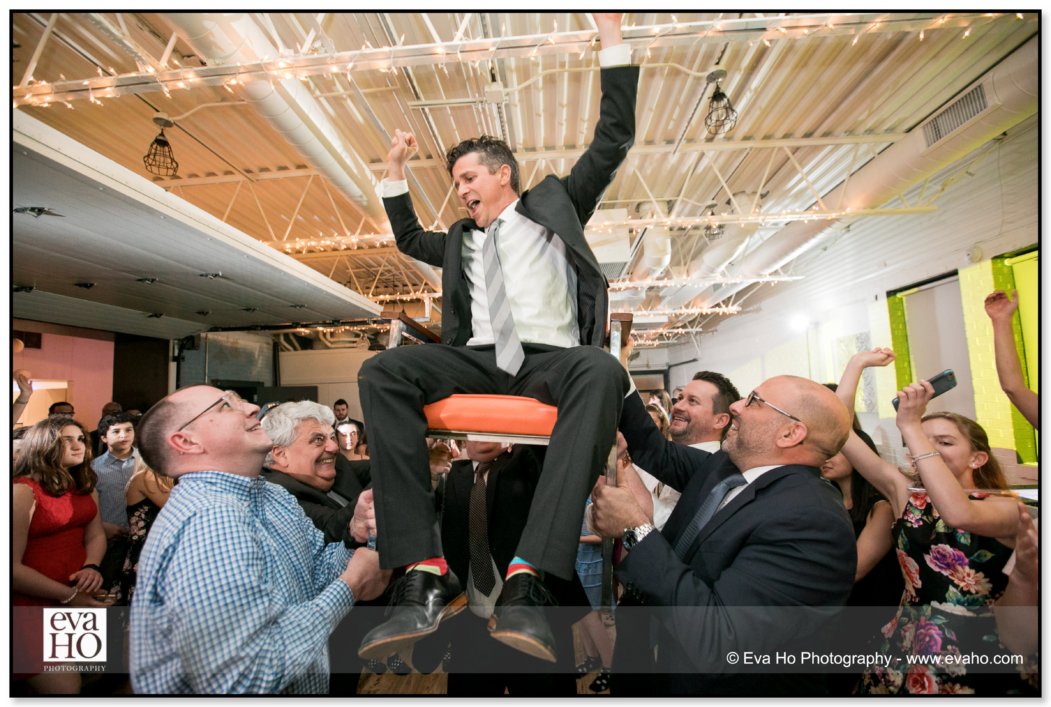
633, 536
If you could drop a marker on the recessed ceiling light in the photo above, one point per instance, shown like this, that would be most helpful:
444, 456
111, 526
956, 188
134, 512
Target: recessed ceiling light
37, 211
210, 275
147, 280
202, 312
155, 315
84, 285
247, 309
298, 306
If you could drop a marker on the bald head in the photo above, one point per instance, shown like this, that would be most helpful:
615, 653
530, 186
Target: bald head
826, 418
203, 428
791, 420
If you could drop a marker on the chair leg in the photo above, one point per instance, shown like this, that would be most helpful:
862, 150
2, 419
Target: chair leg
608, 599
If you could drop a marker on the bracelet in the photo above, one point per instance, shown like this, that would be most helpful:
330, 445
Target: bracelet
928, 455
70, 598
91, 567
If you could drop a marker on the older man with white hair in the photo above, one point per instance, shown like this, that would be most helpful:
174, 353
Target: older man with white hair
303, 460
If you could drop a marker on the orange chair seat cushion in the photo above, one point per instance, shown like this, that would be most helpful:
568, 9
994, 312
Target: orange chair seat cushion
492, 414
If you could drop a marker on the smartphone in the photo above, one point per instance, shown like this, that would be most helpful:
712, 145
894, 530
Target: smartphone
946, 380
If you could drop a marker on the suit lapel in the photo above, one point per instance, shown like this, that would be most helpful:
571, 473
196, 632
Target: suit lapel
746, 496
697, 489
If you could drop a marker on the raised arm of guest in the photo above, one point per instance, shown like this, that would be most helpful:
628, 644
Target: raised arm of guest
951, 454
1017, 620
25, 390
848, 382
1001, 309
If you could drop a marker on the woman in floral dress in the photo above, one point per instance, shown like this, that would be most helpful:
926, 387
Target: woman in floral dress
952, 544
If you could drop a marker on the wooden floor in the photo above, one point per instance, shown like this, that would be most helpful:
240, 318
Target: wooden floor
435, 683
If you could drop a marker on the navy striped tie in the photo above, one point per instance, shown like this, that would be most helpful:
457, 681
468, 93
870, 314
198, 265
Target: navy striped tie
509, 353
706, 511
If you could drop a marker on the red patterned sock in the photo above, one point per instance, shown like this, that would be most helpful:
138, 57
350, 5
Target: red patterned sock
434, 565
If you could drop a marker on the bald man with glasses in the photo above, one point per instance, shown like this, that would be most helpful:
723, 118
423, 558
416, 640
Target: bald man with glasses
237, 590
757, 556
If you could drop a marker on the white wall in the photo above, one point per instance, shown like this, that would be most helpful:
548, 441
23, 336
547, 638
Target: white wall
990, 202
333, 371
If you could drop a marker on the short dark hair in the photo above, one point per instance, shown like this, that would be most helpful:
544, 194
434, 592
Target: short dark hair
60, 403
494, 153
151, 435
117, 418
341, 401
727, 394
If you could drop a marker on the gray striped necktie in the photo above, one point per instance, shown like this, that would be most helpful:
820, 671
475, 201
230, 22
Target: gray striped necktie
509, 354
706, 511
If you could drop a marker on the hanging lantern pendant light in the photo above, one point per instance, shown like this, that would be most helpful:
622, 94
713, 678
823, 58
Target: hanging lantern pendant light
159, 158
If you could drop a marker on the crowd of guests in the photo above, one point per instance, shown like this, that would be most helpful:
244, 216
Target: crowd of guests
245, 583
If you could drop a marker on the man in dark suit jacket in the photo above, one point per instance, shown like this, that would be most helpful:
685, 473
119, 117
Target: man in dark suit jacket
765, 574
556, 294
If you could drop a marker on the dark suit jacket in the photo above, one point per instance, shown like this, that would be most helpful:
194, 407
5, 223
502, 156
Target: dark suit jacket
560, 204
766, 574
328, 516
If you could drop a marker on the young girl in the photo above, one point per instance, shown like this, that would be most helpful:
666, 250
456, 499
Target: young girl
952, 539
57, 542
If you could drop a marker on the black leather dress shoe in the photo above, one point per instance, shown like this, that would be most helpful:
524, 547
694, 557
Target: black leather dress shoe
419, 602
520, 620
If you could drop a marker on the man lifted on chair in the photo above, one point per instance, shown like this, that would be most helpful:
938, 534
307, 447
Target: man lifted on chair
524, 311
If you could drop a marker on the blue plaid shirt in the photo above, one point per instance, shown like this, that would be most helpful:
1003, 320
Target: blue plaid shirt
237, 592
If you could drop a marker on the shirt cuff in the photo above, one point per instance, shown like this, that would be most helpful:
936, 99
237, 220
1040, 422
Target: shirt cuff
393, 187
617, 55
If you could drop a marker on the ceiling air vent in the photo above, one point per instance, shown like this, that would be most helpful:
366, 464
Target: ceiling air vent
959, 112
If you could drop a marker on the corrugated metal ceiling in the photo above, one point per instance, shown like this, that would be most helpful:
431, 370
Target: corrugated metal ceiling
818, 96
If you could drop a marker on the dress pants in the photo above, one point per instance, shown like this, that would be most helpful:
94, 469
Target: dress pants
586, 383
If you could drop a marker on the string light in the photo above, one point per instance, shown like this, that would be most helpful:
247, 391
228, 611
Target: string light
622, 285
391, 58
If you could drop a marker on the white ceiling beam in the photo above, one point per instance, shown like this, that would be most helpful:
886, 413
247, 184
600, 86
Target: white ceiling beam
566, 153
302, 66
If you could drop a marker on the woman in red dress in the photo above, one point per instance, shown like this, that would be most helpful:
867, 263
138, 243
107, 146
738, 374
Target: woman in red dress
57, 542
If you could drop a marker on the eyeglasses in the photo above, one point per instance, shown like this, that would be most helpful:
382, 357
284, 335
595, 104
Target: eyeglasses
229, 398
754, 397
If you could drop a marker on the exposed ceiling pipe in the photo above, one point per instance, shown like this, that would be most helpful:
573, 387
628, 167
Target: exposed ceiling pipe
656, 254
1011, 93
231, 38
